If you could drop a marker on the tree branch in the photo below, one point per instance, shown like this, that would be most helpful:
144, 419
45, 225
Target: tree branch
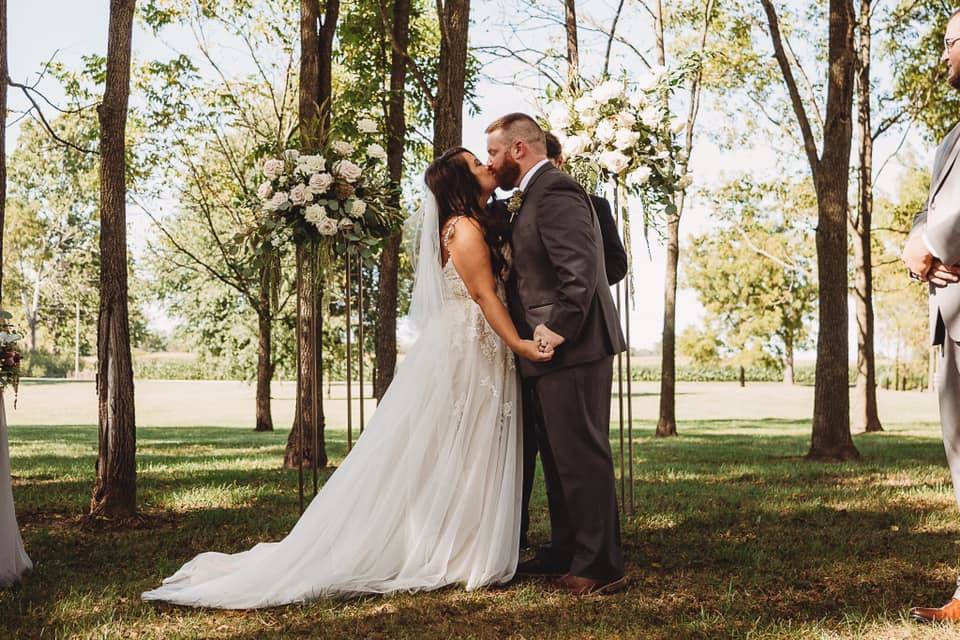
809, 144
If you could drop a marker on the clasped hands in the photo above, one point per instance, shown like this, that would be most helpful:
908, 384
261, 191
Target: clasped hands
543, 345
924, 266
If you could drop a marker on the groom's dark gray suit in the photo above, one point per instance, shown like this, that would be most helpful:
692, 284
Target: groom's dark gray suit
558, 279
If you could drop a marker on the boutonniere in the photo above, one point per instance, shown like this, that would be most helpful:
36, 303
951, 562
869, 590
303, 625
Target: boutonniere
514, 203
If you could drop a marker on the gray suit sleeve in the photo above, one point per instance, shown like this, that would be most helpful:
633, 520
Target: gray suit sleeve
919, 221
943, 235
565, 223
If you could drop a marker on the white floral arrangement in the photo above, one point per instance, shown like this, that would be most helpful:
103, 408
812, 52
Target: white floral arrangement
9, 354
341, 194
612, 132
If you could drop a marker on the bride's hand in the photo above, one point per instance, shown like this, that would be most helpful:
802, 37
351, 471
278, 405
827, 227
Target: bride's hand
528, 349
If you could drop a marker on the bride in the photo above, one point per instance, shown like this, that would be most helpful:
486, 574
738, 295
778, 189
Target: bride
13, 559
430, 495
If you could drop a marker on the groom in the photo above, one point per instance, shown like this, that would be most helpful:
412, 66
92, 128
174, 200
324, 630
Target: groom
932, 254
558, 295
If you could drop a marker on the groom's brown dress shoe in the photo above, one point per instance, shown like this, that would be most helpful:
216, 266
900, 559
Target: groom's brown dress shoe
949, 612
580, 586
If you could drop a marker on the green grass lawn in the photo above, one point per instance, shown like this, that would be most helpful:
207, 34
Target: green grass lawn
736, 536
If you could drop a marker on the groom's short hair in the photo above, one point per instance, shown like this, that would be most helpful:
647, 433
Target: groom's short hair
520, 126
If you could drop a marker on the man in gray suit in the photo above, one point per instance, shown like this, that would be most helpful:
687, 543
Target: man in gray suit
931, 254
558, 295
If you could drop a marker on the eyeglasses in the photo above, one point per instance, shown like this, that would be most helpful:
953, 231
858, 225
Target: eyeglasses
949, 42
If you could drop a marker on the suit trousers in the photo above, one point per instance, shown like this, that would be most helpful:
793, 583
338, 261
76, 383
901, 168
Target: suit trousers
530, 450
573, 435
948, 392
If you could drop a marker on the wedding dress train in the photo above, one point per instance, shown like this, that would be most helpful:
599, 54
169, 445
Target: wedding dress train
428, 497
13, 559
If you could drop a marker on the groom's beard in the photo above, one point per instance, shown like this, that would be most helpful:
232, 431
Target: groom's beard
954, 79
508, 175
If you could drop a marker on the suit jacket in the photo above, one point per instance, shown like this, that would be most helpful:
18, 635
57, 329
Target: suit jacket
614, 255
558, 277
940, 219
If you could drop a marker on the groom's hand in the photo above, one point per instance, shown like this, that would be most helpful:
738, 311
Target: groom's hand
940, 275
917, 257
547, 339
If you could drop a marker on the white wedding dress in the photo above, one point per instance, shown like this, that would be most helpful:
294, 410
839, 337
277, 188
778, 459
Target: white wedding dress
13, 559
428, 497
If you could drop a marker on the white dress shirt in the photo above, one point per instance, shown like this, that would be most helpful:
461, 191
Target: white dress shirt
529, 174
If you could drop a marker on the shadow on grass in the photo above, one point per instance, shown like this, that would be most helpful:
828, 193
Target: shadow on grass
733, 533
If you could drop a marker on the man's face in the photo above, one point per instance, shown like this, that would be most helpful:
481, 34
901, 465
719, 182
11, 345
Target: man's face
501, 161
951, 52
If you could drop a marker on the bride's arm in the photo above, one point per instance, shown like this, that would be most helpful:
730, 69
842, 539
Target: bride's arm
471, 259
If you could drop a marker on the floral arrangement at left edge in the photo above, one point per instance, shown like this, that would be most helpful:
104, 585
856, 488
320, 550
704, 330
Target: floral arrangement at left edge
338, 198
9, 355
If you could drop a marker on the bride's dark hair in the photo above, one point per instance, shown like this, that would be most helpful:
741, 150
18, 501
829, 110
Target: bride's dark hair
458, 194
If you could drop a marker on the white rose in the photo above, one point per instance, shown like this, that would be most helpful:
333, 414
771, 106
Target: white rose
685, 181
298, 195
677, 125
278, 200
314, 214
639, 176
358, 209
638, 99
625, 139
574, 146
626, 119
366, 125
682, 155
291, 155
342, 148
614, 161
265, 190
320, 182
650, 117
588, 119
653, 79
376, 152
607, 91
345, 224
326, 226
311, 164
559, 118
584, 103
273, 168
348, 171
606, 130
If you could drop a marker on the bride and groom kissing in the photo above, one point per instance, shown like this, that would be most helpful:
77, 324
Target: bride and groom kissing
516, 324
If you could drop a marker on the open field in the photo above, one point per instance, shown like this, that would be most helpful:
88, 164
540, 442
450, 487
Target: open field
735, 535
169, 403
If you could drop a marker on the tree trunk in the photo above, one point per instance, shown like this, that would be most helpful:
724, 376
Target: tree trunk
451, 75
667, 422
308, 347
831, 439
3, 138
867, 417
573, 48
386, 336
788, 361
316, 59
265, 365
114, 491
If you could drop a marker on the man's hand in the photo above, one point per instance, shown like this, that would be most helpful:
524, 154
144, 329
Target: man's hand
940, 275
917, 257
546, 339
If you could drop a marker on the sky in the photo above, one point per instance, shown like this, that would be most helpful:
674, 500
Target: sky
40, 29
